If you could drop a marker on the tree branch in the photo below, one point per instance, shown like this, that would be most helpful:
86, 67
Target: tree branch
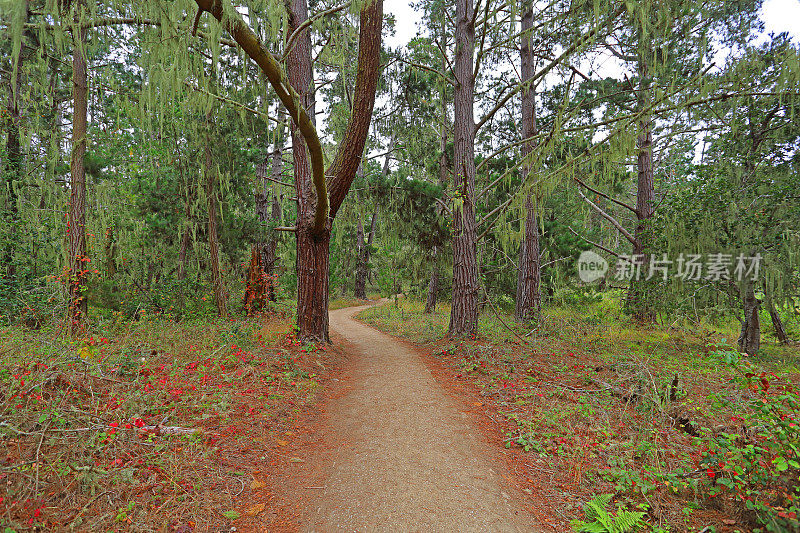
607, 197
611, 219
308, 22
615, 254
351, 147
568, 52
232, 21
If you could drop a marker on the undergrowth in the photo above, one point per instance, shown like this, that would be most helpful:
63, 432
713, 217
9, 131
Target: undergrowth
145, 425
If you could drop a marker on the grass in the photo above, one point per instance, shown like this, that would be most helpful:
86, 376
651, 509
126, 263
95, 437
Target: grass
82, 421
555, 389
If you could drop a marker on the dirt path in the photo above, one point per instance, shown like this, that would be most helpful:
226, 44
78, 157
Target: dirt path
403, 457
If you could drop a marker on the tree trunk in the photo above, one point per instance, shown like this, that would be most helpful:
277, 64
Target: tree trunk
639, 296
313, 243
433, 285
111, 253
312, 285
363, 255
750, 335
220, 295
269, 252
186, 238
312, 250
464, 312
777, 323
13, 170
528, 301
183, 254
361, 269
78, 262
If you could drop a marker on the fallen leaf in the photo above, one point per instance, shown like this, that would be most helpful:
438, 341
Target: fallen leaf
477, 404
255, 485
282, 442
255, 509
296, 460
729, 522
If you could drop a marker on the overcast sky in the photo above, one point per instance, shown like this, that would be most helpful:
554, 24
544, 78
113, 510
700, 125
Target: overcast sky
778, 16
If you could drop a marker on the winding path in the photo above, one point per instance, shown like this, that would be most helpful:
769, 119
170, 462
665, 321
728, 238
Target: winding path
404, 458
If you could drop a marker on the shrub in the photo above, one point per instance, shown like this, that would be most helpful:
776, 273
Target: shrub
759, 467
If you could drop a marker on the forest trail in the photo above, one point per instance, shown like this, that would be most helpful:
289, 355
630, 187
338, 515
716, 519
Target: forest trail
403, 457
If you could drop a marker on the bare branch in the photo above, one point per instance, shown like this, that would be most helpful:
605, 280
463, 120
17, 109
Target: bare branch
607, 197
611, 219
615, 254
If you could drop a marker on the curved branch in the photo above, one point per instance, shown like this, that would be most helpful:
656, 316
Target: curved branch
249, 42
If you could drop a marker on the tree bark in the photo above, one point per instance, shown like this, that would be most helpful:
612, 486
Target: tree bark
361, 270
528, 301
220, 295
777, 323
639, 297
433, 285
183, 254
464, 311
312, 247
13, 170
78, 261
186, 238
312, 241
269, 252
363, 255
750, 334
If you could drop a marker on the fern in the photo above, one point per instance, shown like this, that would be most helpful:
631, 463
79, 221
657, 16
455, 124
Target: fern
599, 520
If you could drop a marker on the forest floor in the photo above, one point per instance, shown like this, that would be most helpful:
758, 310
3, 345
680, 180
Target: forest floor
514, 430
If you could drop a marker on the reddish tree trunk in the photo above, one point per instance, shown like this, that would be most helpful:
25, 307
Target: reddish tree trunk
528, 301
220, 295
313, 246
312, 285
639, 299
255, 294
312, 250
78, 262
464, 313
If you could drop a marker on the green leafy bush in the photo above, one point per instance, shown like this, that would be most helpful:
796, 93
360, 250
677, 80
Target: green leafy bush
759, 467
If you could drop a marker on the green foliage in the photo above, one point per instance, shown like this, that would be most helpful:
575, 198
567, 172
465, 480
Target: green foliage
759, 467
598, 520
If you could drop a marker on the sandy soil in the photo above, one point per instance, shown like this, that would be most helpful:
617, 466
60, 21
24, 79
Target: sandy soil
400, 455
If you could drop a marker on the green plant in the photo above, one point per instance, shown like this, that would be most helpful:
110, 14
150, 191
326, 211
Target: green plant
761, 466
599, 520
